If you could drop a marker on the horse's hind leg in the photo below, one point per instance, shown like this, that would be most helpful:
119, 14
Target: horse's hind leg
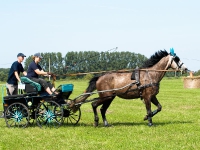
154, 100
149, 112
103, 110
106, 103
96, 117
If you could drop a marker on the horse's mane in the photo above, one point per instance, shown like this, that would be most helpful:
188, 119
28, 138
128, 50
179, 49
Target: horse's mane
155, 58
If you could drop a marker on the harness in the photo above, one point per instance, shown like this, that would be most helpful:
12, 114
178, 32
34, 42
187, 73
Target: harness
136, 76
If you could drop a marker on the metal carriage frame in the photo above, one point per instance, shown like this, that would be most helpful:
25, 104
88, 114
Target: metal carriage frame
34, 105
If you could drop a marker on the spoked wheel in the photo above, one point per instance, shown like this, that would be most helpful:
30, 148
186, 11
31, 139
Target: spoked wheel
17, 115
49, 114
71, 117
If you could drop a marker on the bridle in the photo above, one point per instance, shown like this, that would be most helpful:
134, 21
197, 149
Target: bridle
174, 58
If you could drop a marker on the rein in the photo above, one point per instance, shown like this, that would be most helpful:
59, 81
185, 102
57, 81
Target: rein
53, 79
116, 71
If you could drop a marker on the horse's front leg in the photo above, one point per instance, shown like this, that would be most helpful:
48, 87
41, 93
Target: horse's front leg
154, 100
103, 109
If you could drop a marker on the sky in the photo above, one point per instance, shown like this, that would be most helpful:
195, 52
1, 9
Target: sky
145, 26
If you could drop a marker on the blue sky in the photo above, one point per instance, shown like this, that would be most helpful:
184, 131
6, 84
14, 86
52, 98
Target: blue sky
31, 26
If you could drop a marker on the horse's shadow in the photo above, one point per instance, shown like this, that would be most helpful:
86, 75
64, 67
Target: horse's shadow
155, 123
113, 124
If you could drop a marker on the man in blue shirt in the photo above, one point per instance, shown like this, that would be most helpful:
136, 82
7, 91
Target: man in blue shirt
13, 76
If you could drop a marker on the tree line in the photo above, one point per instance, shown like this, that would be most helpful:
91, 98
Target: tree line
84, 62
87, 61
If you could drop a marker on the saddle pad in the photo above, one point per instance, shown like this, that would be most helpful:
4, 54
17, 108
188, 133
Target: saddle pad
133, 76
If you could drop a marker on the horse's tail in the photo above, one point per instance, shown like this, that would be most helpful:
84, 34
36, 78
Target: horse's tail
91, 87
92, 84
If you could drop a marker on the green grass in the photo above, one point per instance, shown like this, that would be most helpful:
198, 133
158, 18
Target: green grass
177, 126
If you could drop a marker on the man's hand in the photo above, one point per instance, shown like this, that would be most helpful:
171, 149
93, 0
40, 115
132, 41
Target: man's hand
49, 73
52, 75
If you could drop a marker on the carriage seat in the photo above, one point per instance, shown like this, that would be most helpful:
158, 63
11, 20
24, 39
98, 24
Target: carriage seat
65, 90
30, 86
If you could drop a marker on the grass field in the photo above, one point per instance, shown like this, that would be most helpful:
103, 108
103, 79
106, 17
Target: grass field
176, 127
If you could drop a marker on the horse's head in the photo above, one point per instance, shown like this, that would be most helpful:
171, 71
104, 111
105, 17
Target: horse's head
175, 62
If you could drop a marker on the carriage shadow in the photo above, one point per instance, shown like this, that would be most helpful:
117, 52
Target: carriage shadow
117, 124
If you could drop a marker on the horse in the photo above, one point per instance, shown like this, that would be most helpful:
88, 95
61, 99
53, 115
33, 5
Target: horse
141, 83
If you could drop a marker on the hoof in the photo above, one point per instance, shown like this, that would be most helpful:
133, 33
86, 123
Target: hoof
96, 124
107, 125
150, 124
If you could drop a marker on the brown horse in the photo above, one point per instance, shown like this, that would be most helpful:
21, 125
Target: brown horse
142, 83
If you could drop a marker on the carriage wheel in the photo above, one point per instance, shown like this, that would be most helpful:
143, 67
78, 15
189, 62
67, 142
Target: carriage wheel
49, 114
71, 117
17, 115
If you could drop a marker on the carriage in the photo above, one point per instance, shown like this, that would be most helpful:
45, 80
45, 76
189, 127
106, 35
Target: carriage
35, 105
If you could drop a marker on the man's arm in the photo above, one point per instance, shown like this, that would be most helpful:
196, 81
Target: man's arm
41, 72
17, 76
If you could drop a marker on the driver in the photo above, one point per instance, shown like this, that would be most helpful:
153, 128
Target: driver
34, 70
